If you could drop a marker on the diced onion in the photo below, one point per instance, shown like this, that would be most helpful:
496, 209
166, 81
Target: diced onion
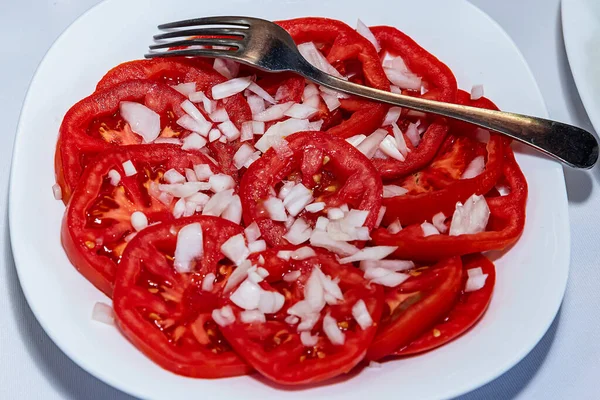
380, 216
235, 249
57, 190
190, 175
391, 265
254, 88
252, 232
129, 168
392, 116
218, 203
393, 191
219, 115
270, 302
237, 276
332, 102
282, 149
335, 213
385, 277
189, 123
291, 320
193, 142
173, 176
315, 207
179, 208
310, 52
229, 129
142, 120
185, 88
400, 141
208, 282
308, 340
220, 182
292, 276
104, 313
183, 189
298, 198
475, 168
388, 147
332, 331
429, 229
413, 134
285, 254
231, 87
247, 295
310, 90
470, 218
223, 316
208, 104
303, 253
251, 316
139, 220
246, 132
203, 171
394, 227
322, 223
370, 253
367, 34
476, 92
257, 246
313, 101
361, 314
321, 239
476, 279
273, 113
356, 140
315, 125
189, 247
279, 130
256, 104
214, 135
438, 221
233, 212
299, 232
275, 208
370, 145
242, 155
228, 68
300, 111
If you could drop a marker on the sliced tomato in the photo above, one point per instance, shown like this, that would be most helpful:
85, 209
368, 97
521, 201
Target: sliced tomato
334, 170
97, 222
467, 311
274, 347
416, 305
94, 124
166, 314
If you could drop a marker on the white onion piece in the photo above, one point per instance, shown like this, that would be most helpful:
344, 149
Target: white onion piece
370, 253
315, 125
262, 93
291, 320
330, 287
102, 312
279, 130
308, 322
208, 282
208, 104
114, 177
333, 93
394, 227
297, 198
167, 140
400, 141
231, 87
228, 68
219, 115
252, 232
185, 88
193, 141
475, 281
247, 295
365, 32
314, 293
319, 238
237, 276
214, 135
310, 90
280, 145
235, 249
299, 232
391, 265
397, 73
275, 208
242, 155
475, 168
246, 132
258, 127
332, 331
474, 271
273, 113
229, 129
310, 52
129, 168
292, 276
220, 182
142, 120
190, 175
203, 171
256, 104
173, 176
438, 221
255, 156
257, 246
223, 316
301, 111
395, 89
285, 189
335, 213
322, 223
57, 190
393, 191
183, 189
233, 212
313, 101
388, 147
218, 203
251, 316
384, 277
356, 140
139, 220
371, 143
315, 207
179, 208
270, 302
380, 216
392, 116
285, 254
192, 111
308, 340
476, 92
303, 253
470, 218
189, 247
189, 123
332, 102
361, 314
413, 134
429, 229
190, 209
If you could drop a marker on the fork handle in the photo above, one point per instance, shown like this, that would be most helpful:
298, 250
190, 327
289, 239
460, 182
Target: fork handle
569, 144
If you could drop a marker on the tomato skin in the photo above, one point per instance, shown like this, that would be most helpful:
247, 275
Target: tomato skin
432, 303
283, 363
467, 311
361, 179
79, 240
188, 356
507, 221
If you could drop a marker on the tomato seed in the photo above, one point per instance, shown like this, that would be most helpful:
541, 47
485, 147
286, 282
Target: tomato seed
436, 333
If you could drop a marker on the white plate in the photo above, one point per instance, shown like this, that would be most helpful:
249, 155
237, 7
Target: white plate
581, 31
531, 277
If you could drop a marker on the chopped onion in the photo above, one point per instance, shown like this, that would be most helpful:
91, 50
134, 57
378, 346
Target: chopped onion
247, 295
400, 141
332, 102
203, 171
193, 112
332, 331
228, 68
257, 246
438, 221
308, 340
208, 282
235, 249
275, 208
394, 227
291, 320
335, 213
252, 232
220, 182
356, 140
254, 88
310, 52
279, 130
282, 149
246, 132
238, 275
142, 120
392, 116
314, 293
223, 316
129, 168
285, 254
429, 229
476, 92
303, 253
193, 141
371, 143
380, 216
320, 238
189, 247
179, 208
391, 265
139, 220
476, 279
315, 125
361, 314
393, 191
258, 127
315, 207
300, 111
475, 168
298, 198
219, 115
102, 312
57, 190
190, 209
231, 87
190, 175
256, 104
313, 101
285, 189
470, 218
183, 189
308, 322
370, 253
365, 32
251, 316
310, 90
385, 277
322, 223
185, 88
292, 276
229, 129
189, 123
173, 176
270, 302
218, 203
214, 135
299, 232
242, 155
233, 212
413, 134
388, 147
208, 104
334, 93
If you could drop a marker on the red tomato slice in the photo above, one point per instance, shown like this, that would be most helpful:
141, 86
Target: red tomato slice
274, 347
94, 124
467, 311
98, 217
416, 305
334, 170
166, 314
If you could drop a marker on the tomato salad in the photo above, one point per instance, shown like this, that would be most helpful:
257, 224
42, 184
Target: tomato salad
244, 222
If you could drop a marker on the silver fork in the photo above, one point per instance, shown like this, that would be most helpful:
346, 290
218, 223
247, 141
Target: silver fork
267, 46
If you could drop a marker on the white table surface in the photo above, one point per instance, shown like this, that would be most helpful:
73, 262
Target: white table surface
564, 365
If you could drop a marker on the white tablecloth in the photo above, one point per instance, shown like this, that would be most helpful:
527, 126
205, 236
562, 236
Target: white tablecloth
564, 365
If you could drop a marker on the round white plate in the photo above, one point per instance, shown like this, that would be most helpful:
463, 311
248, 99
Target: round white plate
581, 31
531, 277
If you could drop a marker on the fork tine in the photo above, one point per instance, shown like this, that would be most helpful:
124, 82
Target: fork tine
197, 41
193, 52
227, 20
201, 32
